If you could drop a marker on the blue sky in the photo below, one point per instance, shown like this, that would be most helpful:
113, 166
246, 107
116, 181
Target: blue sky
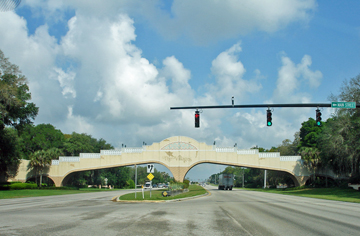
113, 69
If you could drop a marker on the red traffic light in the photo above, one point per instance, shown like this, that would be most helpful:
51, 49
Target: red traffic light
197, 119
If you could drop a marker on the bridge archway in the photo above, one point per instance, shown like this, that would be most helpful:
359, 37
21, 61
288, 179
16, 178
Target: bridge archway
297, 181
64, 180
45, 178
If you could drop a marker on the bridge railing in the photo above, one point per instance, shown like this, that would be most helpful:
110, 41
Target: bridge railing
89, 155
132, 150
225, 149
247, 151
269, 154
69, 159
110, 152
55, 162
290, 158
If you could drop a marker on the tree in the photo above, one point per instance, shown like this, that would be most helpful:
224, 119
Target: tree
40, 137
349, 92
288, 148
38, 161
15, 111
340, 144
9, 146
341, 140
309, 133
311, 157
83, 143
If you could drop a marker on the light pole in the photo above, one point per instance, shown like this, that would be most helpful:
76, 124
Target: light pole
243, 177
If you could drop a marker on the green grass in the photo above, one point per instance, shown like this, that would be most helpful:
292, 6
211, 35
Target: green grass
23, 193
156, 195
337, 194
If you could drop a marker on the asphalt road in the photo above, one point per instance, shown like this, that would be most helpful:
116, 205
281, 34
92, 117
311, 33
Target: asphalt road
234, 212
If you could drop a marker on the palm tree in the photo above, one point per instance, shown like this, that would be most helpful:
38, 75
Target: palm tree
54, 153
311, 157
38, 161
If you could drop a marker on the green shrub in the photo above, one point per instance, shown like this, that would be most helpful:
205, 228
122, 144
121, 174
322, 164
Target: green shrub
19, 185
186, 183
130, 184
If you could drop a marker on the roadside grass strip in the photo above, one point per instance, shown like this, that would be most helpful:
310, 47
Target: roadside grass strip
336, 194
23, 193
156, 195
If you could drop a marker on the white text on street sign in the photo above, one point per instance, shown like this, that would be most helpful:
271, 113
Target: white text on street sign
351, 105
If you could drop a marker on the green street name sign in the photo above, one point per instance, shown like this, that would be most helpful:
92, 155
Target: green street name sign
343, 104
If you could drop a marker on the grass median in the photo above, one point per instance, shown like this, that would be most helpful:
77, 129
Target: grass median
336, 194
156, 195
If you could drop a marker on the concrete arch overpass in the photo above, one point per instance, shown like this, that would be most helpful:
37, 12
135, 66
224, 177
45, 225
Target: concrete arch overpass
179, 154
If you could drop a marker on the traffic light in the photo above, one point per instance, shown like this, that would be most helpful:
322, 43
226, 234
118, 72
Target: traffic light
269, 118
318, 117
197, 119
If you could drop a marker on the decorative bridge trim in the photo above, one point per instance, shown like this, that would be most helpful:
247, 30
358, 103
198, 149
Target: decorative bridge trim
179, 146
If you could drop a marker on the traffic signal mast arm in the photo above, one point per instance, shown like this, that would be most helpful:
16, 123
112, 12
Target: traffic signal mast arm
259, 105
269, 112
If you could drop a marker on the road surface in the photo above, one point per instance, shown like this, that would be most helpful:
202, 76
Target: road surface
235, 212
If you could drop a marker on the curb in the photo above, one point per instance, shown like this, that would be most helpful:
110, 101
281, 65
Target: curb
116, 199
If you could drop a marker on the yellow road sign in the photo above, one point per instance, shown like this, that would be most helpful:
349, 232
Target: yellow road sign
150, 176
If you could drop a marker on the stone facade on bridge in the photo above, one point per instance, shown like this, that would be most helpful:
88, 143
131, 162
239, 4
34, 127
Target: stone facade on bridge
179, 154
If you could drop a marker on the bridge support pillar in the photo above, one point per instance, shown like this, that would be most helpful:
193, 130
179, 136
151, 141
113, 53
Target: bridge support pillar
57, 181
179, 173
302, 180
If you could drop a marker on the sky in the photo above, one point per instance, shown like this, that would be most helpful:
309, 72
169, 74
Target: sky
113, 69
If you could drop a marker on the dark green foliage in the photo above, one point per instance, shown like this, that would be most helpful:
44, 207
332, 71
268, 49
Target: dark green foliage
40, 137
186, 183
309, 133
83, 143
9, 153
14, 109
